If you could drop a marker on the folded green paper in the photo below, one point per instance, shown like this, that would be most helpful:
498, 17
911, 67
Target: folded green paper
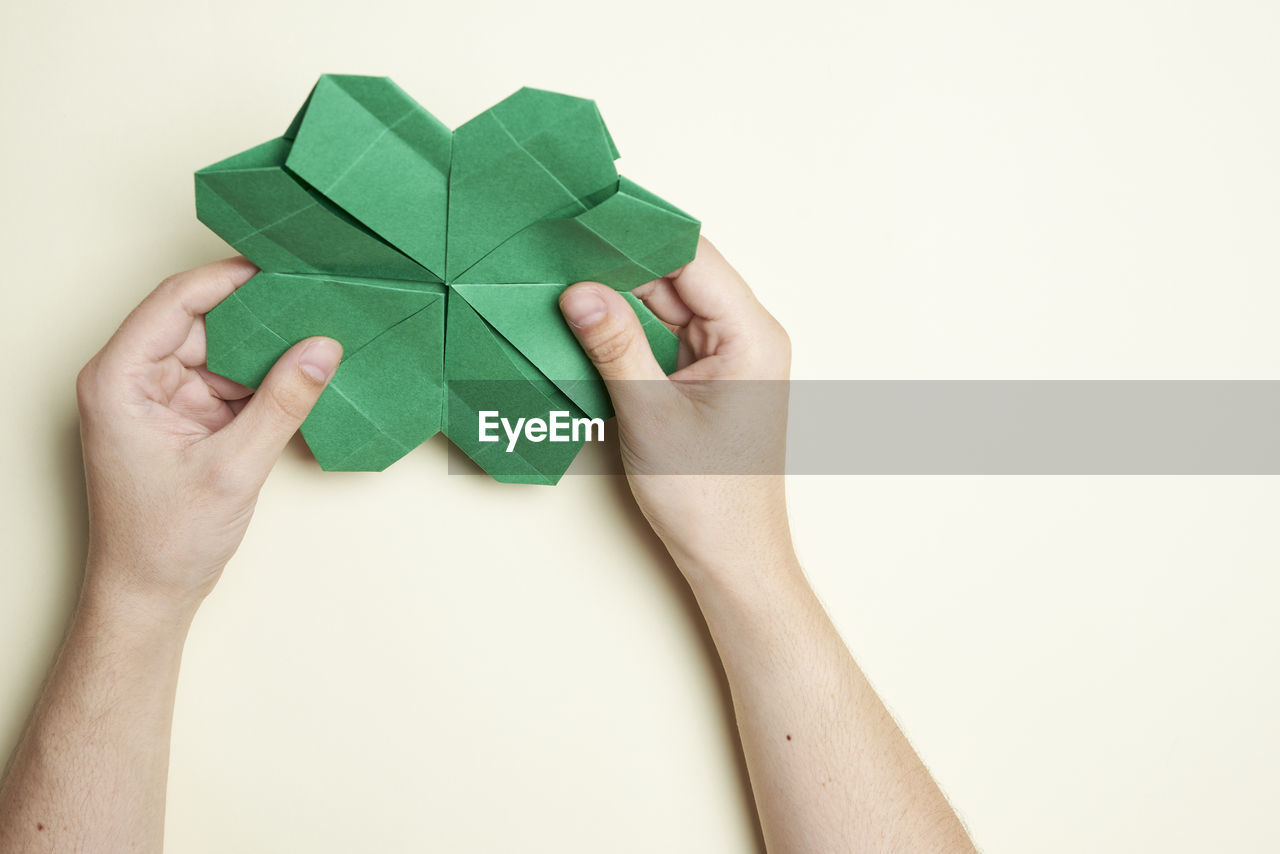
437, 259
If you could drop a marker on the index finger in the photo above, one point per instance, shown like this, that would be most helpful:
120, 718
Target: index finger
161, 322
710, 287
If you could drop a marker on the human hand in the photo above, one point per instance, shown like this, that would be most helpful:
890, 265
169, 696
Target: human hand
175, 455
704, 450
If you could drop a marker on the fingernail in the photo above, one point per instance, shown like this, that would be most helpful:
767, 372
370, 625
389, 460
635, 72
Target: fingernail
320, 359
582, 307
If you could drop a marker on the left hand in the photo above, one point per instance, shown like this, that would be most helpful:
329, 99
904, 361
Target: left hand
175, 455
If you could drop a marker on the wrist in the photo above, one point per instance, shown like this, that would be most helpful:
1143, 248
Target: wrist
119, 596
744, 570
751, 542
719, 527
751, 594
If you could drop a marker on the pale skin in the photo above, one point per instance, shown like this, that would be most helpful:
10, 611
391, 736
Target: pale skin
175, 457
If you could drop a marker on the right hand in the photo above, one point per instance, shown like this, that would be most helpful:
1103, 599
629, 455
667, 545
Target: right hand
704, 450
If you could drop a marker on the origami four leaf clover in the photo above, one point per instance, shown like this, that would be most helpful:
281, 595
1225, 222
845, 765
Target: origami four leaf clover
437, 259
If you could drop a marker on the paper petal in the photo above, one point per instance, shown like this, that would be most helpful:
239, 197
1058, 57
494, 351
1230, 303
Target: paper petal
387, 396
528, 317
535, 155
375, 152
484, 372
279, 223
630, 238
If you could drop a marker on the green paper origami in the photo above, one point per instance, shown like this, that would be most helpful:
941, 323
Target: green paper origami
437, 259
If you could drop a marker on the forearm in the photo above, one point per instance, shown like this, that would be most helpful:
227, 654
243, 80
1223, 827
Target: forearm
91, 769
830, 769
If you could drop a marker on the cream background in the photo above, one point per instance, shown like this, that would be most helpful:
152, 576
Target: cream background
412, 661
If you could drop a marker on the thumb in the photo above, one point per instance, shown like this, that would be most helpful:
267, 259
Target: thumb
610, 333
282, 402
